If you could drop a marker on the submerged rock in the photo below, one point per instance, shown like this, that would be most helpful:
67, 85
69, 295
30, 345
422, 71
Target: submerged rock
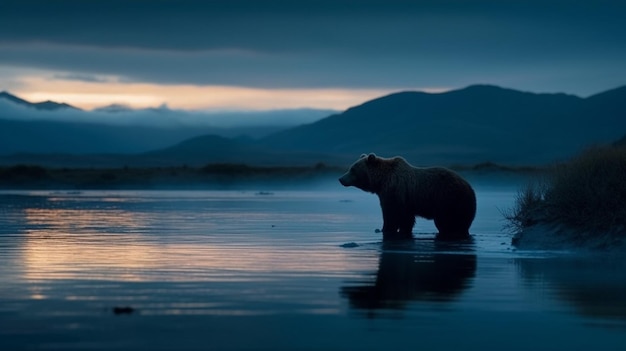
117, 310
349, 245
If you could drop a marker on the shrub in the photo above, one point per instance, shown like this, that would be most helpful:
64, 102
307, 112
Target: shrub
587, 193
529, 206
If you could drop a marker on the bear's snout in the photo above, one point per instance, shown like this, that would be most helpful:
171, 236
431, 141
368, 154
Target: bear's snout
344, 180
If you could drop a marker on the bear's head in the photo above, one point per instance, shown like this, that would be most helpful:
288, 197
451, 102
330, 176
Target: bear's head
360, 173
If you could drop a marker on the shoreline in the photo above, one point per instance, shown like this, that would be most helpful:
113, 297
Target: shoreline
218, 175
22, 177
557, 236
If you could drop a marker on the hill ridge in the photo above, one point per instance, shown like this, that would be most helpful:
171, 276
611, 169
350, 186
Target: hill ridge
475, 124
47, 105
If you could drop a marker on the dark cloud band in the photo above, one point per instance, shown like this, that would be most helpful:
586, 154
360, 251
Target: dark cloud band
366, 43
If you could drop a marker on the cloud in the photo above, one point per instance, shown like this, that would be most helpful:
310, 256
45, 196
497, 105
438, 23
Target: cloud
82, 77
274, 26
49, 85
165, 117
236, 68
314, 44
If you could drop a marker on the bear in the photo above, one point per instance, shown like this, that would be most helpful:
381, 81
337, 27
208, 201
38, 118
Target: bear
405, 191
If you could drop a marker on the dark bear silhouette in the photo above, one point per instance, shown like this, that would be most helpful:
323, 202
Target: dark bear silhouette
406, 191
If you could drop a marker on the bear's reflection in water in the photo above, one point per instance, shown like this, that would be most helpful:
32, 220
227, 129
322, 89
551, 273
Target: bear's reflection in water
415, 270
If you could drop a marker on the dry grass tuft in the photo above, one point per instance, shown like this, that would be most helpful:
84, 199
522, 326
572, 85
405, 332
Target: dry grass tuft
588, 194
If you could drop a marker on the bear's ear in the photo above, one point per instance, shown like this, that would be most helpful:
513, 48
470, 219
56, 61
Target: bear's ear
363, 155
371, 157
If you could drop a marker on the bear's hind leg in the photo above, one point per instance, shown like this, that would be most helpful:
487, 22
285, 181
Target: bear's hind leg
451, 230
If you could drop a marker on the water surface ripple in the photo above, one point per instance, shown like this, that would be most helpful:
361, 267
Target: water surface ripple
184, 270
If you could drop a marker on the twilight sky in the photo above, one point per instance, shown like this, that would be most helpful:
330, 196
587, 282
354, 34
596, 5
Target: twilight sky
258, 54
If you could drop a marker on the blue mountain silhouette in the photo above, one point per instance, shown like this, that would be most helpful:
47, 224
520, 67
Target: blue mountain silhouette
44, 105
475, 124
467, 126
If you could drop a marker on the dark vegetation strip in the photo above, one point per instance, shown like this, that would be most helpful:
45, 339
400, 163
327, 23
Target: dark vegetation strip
37, 177
587, 194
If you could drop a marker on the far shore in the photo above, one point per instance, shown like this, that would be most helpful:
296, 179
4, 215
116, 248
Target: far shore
211, 176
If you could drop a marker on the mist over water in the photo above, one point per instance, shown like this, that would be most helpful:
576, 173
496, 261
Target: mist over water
285, 269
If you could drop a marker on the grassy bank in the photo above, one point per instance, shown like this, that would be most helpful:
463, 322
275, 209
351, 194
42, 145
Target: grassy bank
581, 202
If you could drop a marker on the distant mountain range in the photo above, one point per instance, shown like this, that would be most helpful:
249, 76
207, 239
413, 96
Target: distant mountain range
49, 127
44, 105
476, 124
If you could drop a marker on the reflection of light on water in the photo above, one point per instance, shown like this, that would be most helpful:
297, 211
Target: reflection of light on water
65, 243
119, 245
36, 293
226, 253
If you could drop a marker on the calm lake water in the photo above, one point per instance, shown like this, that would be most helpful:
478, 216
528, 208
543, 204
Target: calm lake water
286, 270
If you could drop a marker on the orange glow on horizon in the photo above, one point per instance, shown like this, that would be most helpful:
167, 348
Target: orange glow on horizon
90, 95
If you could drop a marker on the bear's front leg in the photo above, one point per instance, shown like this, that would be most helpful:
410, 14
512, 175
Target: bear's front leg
397, 225
407, 222
391, 222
